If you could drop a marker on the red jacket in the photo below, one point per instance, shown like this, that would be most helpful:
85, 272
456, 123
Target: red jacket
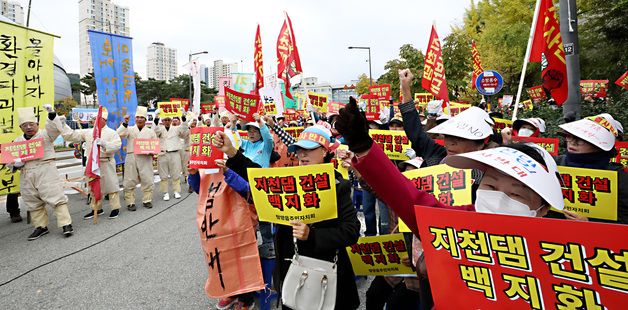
395, 189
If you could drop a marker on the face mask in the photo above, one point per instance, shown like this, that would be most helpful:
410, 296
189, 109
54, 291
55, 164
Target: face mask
496, 202
525, 132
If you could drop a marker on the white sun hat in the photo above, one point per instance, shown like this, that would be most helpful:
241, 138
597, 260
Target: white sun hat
535, 121
472, 124
596, 130
542, 179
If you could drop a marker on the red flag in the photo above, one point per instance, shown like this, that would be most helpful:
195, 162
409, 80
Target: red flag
477, 63
434, 71
258, 62
288, 61
548, 42
622, 81
92, 170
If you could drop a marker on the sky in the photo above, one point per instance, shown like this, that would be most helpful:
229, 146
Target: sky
226, 29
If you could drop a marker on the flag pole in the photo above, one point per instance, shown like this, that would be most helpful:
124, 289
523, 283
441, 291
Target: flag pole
527, 57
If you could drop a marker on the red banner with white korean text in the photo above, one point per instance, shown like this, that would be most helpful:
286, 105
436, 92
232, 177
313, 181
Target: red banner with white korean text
203, 153
241, 104
593, 88
537, 93
489, 261
434, 71
382, 91
622, 81
25, 151
477, 64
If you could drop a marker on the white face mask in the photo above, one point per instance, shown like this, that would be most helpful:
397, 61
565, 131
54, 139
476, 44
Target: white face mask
525, 132
497, 202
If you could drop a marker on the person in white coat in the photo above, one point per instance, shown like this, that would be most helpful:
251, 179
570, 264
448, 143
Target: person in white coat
169, 160
137, 168
109, 143
40, 184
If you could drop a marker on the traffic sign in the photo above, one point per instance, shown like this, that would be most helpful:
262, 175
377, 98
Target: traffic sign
489, 83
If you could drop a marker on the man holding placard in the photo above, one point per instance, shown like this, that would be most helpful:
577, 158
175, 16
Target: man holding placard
40, 184
137, 168
169, 160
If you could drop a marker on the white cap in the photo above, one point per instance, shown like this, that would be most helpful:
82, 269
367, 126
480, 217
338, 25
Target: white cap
141, 111
472, 124
206, 117
224, 113
541, 179
26, 115
535, 121
105, 113
254, 124
596, 130
415, 162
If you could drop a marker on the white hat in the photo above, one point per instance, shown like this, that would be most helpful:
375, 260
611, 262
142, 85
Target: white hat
104, 114
206, 117
535, 121
26, 115
596, 130
540, 178
415, 162
224, 113
254, 124
613, 121
141, 111
472, 124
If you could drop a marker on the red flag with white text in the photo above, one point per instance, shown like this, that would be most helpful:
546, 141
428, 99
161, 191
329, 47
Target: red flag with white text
92, 169
434, 79
548, 43
258, 62
477, 64
288, 61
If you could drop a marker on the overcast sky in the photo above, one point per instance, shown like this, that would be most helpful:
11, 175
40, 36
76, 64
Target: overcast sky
226, 29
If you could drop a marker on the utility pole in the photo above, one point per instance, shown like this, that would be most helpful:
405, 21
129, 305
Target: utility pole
569, 33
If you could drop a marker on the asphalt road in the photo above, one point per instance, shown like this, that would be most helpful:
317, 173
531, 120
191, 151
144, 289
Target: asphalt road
148, 259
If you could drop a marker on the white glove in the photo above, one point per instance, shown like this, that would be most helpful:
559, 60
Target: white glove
18, 163
384, 113
62, 119
410, 153
157, 112
362, 105
98, 141
310, 108
435, 107
48, 108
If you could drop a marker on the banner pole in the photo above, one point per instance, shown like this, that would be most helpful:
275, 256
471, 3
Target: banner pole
527, 57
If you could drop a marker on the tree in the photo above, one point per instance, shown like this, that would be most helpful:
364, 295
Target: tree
88, 85
458, 64
65, 105
409, 57
362, 86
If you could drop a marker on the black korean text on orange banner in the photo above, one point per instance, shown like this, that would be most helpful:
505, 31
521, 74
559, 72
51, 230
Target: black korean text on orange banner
379, 255
590, 192
305, 193
496, 261
203, 154
393, 142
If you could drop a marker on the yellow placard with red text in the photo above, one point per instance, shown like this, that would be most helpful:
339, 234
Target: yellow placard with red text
338, 162
319, 101
501, 123
380, 255
451, 186
590, 192
294, 132
395, 143
304, 193
170, 109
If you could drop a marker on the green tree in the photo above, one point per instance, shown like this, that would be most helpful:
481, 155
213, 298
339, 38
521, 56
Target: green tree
65, 105
409, 57
458, 64
88, 85
362, 86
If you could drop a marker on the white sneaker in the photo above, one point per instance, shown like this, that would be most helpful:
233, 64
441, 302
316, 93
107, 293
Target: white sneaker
177, 195
166, 197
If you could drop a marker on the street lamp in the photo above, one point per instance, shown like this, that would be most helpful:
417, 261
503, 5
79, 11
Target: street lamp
365, 48
190, 75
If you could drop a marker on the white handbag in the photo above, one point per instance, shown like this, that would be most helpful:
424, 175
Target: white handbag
310, 283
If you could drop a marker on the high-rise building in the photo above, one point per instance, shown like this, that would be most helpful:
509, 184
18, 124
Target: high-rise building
220, 69
12, 10
101, 15
161, 62
204, 74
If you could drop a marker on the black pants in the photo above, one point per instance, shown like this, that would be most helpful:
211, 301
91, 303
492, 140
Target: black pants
380, 294
13, 206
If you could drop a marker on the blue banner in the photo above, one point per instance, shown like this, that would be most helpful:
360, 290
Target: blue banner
112, 59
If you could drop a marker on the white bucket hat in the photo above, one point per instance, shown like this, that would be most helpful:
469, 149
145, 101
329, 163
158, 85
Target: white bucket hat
472, 124
535, 121
542, 179
596, 130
